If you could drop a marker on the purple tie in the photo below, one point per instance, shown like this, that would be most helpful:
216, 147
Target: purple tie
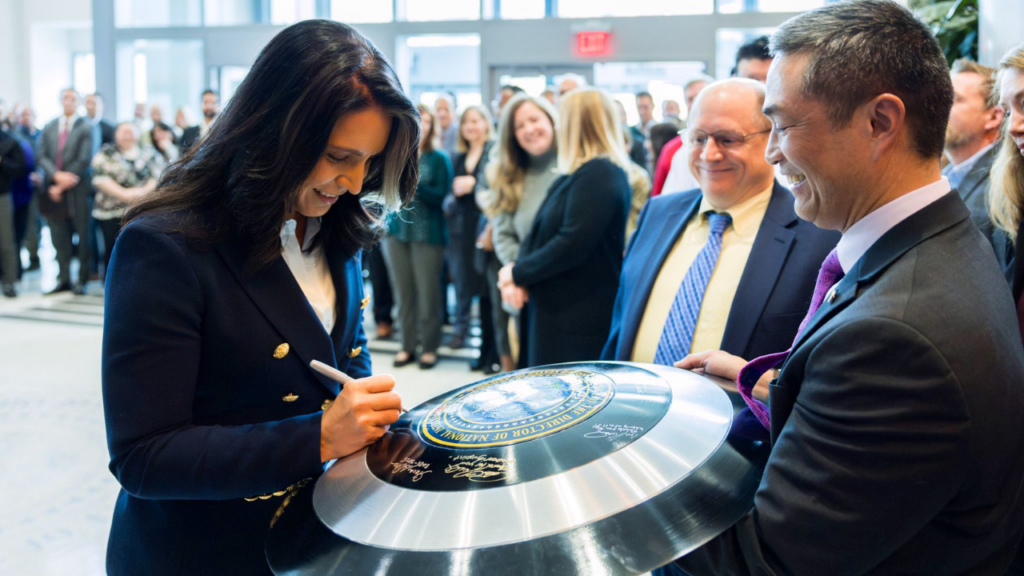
830, 274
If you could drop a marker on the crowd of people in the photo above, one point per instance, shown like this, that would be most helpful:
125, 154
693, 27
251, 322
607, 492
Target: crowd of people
77, 175
511, 210
493, 217
802, 240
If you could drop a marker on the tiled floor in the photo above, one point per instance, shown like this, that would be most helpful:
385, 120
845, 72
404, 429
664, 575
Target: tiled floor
57, 495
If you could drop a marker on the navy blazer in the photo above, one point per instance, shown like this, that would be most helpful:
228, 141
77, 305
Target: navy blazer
570, 264
775, 288
209, 398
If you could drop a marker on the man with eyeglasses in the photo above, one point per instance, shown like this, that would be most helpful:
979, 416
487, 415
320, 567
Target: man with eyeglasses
728, 265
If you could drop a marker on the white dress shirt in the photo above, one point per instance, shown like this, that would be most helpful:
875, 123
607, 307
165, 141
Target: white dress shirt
66, 121
204, 129
310, 270
866, 231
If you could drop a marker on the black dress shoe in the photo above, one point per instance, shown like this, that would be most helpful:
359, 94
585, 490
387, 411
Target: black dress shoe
9, 290
427, 365
62, 287
492, 368
409, 359
78, 289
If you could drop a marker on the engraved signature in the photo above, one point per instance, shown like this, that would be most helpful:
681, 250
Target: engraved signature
417, 468
478, 468
614, 431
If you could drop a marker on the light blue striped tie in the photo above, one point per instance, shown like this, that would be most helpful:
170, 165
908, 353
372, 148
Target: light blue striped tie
682, 318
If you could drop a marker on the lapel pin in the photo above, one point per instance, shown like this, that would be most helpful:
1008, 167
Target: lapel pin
282, 351
832, 294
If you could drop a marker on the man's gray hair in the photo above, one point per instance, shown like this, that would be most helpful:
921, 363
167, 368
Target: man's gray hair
863, 48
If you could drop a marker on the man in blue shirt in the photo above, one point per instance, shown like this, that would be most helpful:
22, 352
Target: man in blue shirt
973, 130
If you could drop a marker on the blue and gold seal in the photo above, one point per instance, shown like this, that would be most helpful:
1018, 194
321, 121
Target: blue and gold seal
517, 408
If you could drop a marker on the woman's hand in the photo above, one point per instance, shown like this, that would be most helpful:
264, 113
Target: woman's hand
358, 416
462, 185
505, 275
515, 296
724, 365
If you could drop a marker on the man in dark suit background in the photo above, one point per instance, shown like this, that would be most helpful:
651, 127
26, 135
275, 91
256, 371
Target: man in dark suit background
193, 134
103, 130
974, 128
65, 153
756, 291
12, 166
897, 421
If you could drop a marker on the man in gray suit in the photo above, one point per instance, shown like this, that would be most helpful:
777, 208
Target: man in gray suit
65, 153
974, 128
897, 420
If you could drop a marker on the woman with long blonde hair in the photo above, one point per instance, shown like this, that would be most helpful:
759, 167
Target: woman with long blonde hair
568, 266
1006, 198
521, 170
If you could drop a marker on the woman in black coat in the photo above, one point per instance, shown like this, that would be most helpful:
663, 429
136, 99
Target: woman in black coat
226, 282
567, 272
462, 213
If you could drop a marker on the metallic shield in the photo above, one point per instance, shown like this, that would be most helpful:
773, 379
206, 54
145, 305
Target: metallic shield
583, 468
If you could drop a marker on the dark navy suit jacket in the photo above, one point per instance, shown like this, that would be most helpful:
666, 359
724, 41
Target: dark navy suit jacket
775, 288
897, 422
200, 411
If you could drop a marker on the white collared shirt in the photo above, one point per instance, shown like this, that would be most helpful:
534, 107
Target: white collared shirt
204, 129
310, 270
68, 121
866, 231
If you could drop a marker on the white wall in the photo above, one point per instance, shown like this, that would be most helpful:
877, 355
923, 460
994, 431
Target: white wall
38, 38
51, 48
14, 80
1002, 28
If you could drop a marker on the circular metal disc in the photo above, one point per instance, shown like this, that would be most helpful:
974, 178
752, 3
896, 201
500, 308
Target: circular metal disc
597, 468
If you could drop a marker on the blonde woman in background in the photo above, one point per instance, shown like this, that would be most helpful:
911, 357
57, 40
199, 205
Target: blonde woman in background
567, 271
521, 170
1006, 199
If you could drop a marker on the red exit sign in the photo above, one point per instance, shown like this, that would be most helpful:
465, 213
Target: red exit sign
592, 43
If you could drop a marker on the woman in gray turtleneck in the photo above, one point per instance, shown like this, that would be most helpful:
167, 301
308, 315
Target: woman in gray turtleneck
519, 175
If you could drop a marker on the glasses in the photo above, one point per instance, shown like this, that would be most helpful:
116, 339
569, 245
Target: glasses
725, 139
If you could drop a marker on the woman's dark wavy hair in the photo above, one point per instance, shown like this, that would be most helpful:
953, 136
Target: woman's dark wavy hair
239, 183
